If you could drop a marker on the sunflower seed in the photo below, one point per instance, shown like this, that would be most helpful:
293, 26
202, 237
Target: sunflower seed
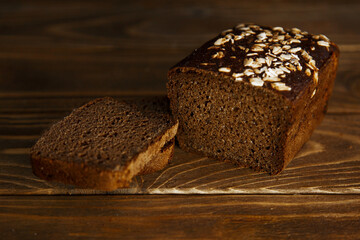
238, 76
220, 41
280, 29
277, 50
313, 93
224, 69
256, 82
249, 72
295, 30
323, 37
316, 77
248, 62
295, 50
323, 43
280, 86
261, 36
271, 79
218, 55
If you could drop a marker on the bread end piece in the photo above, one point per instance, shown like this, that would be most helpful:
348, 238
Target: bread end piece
89, 172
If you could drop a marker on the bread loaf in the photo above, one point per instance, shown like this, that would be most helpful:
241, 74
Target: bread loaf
253, 95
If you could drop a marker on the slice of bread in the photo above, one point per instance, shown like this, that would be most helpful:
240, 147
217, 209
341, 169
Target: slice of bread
104, 144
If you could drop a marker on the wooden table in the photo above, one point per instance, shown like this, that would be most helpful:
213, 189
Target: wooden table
56, 56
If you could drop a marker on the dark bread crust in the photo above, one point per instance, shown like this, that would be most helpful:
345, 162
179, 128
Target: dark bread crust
59, 155
250, 126
309, 114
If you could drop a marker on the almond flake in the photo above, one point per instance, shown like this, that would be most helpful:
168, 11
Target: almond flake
308, 72
205, 64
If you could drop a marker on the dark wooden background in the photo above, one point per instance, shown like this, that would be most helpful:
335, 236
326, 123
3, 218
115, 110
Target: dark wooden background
56, 55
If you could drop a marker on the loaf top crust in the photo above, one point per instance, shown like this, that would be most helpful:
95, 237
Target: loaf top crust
283, 60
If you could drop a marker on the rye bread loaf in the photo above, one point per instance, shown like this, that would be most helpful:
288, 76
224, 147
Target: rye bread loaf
104, 143
253, 95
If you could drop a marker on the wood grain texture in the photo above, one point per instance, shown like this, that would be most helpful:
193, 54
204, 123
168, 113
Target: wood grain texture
57, 55
328, 164
180, 217
111, 45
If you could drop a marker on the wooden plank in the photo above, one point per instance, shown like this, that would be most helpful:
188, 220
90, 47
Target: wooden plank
328, 164
180, 217
54, 57
78, 46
